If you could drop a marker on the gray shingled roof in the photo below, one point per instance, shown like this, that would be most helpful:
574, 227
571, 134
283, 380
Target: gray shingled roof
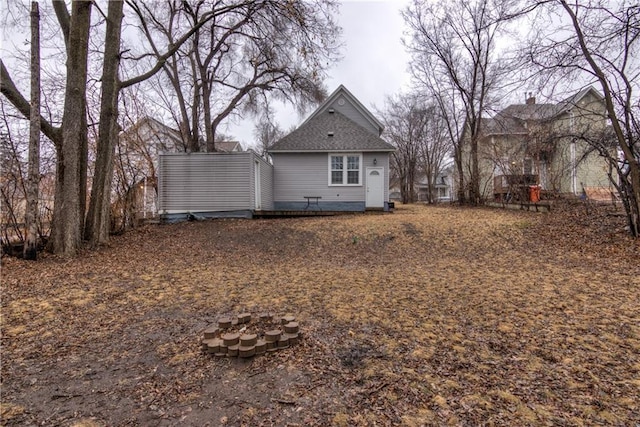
530, 111
343, 91
347, 135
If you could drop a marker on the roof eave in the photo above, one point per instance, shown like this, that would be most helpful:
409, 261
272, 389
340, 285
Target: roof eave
354, 150
572, 103
505, 133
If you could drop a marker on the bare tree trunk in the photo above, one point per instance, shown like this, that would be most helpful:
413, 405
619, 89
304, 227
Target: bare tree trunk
185, 127
474, 179
98, 221
31, 214
195, 106
71, 185
411, 181
457, 156
206, 105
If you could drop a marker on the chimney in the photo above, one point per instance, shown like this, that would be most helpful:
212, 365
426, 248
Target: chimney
531, 99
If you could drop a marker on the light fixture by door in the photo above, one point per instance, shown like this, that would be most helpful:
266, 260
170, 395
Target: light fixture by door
375, 162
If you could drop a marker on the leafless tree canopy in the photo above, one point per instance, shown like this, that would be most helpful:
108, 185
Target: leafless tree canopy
220, 58
417, 130
267, 133
248, 53
453, 47
570, 45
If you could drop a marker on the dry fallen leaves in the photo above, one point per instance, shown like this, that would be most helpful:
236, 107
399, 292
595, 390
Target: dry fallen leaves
429, 316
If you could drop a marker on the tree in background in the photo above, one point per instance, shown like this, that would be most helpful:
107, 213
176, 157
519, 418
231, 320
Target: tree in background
12, 184
417, 130
451, 121
405, 120
69, 133
599, 42
14, 165
453, 48
267, 133
434, 151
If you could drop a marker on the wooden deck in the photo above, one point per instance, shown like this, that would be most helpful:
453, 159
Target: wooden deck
292, 214
524, 206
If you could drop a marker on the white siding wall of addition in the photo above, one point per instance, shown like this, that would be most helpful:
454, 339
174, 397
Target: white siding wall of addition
252, 185
208, 182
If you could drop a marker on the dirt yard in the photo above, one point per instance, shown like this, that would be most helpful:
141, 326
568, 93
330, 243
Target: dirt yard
427, 316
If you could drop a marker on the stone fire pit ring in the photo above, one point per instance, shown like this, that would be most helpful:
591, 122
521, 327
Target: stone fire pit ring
245, 336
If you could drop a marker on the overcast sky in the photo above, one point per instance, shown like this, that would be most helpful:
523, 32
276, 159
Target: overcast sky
374, 60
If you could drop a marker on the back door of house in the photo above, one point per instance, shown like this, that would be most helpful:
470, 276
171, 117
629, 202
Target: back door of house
375, 188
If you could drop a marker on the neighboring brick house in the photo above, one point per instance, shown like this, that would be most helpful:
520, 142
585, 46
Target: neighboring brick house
542, 144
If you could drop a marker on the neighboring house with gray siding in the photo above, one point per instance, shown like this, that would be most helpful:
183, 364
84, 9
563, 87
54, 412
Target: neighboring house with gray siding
334, 161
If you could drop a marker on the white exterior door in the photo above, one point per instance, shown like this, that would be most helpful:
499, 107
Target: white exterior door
375, 188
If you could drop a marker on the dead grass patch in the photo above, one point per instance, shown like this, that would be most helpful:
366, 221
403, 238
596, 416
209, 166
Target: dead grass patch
429, 316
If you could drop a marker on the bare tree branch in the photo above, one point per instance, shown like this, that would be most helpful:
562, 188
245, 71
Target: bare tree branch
11, 92
64, 19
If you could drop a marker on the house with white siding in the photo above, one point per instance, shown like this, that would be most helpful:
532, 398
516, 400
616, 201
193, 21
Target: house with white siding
334, 161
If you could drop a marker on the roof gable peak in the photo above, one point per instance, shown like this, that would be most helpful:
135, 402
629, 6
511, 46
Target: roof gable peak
335, 101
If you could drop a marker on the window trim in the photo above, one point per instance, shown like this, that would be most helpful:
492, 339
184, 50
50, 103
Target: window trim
345, 170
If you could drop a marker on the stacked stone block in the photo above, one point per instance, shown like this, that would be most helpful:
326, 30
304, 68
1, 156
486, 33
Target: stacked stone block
238, 337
